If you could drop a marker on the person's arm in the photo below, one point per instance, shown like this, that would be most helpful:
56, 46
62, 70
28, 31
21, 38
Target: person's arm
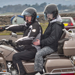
16, 28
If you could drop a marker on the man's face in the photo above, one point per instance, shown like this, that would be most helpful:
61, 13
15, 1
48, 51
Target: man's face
49, 16
28, 19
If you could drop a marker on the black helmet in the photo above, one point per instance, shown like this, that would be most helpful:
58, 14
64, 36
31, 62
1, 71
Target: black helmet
30, 11
51, 9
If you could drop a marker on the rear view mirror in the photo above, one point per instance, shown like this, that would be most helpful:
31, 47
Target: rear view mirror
14, 34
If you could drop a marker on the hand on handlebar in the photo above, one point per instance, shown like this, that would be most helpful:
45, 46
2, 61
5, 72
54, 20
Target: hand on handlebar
3, 41
12, 43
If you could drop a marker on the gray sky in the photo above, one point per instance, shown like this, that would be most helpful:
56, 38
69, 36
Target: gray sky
31, 2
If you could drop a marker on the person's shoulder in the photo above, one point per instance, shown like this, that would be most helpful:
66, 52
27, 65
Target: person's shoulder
36, 23
58, 24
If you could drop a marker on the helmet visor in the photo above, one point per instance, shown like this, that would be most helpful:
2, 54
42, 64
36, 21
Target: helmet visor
26, 13
45, 16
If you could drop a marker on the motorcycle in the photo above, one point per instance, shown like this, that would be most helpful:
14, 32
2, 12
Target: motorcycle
61, 62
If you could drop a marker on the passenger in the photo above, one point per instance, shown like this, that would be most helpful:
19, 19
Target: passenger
52, 34
32, 31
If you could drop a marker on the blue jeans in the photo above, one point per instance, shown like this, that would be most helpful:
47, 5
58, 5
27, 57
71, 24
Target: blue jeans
38, 66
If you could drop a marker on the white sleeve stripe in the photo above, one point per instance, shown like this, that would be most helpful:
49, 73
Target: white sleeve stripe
15, 25
11, 26
30, 31
25, 38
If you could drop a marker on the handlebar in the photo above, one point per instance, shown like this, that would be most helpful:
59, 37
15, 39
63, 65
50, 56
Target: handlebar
3, 41
3, 28
7, 42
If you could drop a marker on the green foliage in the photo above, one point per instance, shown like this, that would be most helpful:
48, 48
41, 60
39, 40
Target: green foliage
19, 8
39, 7
5, 32
9, 32
44, 26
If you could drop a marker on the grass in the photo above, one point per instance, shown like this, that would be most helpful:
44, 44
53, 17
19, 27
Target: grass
43, 25
5, 32
9, 32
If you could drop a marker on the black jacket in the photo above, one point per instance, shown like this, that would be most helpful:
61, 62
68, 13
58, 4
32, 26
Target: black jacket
51, 35
31, 33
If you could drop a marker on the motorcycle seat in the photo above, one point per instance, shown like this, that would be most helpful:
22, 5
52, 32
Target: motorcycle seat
61, 42
55, 55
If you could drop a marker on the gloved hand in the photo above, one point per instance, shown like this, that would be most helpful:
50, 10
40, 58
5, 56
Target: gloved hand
4, 41
12, 43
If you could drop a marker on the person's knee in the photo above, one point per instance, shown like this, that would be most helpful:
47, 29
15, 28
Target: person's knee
15, 57
38, 54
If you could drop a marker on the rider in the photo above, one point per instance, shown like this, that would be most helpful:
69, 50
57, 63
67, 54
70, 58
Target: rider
32, 31
52, 34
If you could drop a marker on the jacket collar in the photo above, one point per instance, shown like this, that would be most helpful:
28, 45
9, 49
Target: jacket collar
57, 19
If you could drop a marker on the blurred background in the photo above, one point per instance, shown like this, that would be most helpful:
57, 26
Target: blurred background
10, 12
17, 6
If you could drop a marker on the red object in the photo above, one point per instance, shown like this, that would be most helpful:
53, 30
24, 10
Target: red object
0, 28
68, 74
70, 24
